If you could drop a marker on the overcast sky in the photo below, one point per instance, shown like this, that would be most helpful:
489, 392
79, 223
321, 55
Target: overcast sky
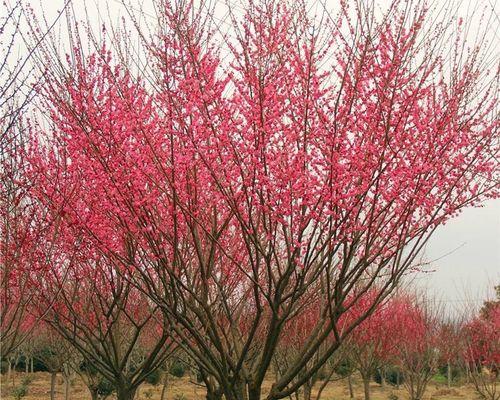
470, 249
466, 251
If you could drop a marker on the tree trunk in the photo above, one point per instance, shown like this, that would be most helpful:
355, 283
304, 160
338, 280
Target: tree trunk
125, 393
417, 394
9, 372
213, 395
366, 386
213, 391
53, 376
307, 391
254, 392
241, 390
67, 383
32, 365
349, 384
165, 384
93, 393
448, 373
243, 393
26, 365
382, 377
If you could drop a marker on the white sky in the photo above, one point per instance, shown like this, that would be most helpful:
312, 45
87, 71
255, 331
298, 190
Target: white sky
466, 251
470, 249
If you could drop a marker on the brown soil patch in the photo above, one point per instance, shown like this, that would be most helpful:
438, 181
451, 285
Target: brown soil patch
184, 388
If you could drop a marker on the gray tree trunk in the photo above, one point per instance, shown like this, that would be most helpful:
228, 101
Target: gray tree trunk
9, 372
165, 384
366, 387
53, 376
448, 373
67, 383
125, 393
351, 390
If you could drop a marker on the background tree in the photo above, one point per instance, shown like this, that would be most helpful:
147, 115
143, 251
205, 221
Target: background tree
418, 347
98, 386
450, 342
297, 331
22, 223
375, 342
482, 349
118, 332
55, 353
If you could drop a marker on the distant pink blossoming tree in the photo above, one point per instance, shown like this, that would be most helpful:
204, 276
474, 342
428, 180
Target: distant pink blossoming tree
482, 349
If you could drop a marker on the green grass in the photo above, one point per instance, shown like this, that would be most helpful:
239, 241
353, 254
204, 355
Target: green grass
439, 378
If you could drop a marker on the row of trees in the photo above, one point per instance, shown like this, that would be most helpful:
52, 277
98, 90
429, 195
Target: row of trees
405, 342
410, 335
169, 197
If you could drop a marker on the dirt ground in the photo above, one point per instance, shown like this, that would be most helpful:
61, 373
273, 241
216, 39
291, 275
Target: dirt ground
183, 389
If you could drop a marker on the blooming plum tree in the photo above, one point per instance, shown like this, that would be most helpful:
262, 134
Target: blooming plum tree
313, 161
376, 341
22, 223
418, 346
120, 335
